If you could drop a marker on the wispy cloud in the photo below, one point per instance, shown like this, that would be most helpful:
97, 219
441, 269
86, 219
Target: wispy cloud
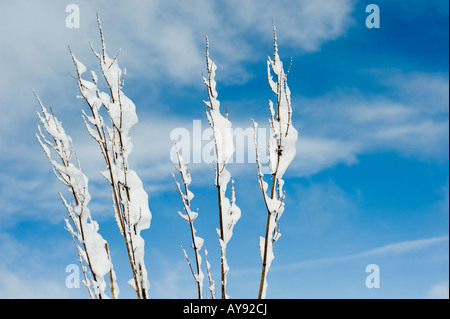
383, 251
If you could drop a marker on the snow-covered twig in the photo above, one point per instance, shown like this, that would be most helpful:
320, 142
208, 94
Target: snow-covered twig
208, 272
229, 212
186, 197
91, 247
282, 149
129, 197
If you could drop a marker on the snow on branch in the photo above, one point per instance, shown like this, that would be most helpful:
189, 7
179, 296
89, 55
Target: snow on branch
229, 212
91, 247
186, 198
282, 150
130, 200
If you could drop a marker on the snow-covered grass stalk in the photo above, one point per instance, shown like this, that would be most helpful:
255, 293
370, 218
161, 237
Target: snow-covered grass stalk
186, 198
130, 201
91, 247
281, 149
229, 212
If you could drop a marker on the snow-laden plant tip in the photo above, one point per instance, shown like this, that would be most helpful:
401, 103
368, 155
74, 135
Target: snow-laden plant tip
130, 200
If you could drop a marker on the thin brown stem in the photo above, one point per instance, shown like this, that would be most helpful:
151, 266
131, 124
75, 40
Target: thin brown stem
266, 241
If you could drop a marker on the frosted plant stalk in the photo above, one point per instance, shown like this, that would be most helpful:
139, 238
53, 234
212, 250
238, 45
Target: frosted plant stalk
229, 212
186, 198
282, 150
92, 249
130, 200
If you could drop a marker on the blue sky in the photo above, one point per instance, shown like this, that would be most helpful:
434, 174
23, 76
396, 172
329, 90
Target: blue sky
369, 184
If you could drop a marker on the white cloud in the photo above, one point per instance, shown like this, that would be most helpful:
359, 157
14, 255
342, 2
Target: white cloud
315, 154
388, 112
14, 284
162, 42
303, 24
410, 117
30, 272
423, 139
160, 39
428, 93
